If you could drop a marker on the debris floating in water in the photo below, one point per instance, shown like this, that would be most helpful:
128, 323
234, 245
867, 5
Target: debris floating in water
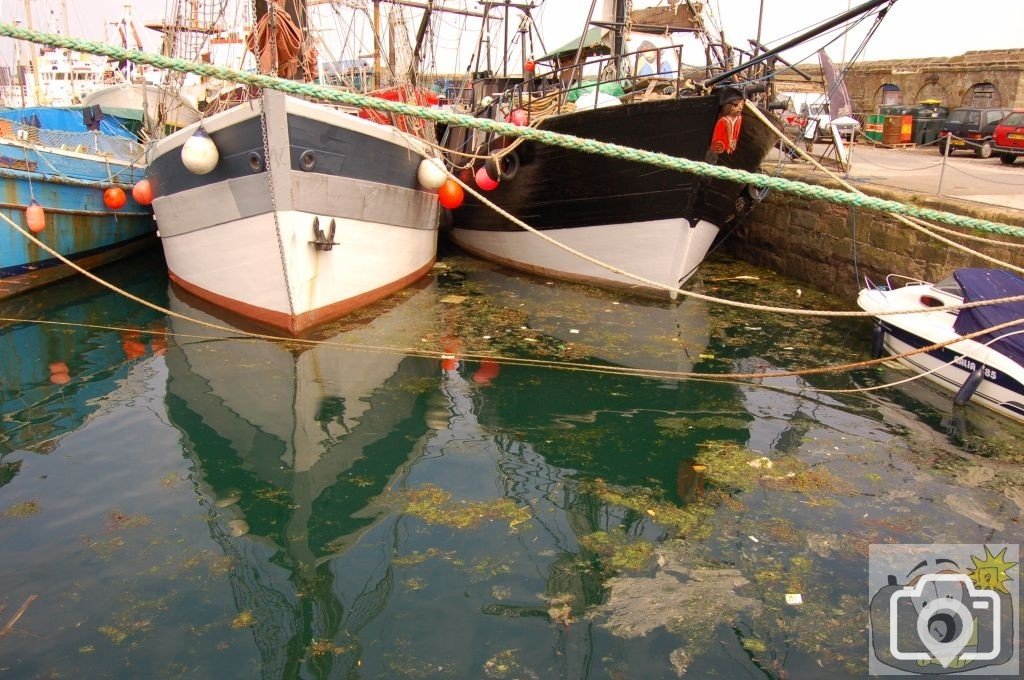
238, 527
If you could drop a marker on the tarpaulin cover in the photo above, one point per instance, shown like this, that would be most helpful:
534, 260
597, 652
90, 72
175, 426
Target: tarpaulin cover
64, 120
992, 284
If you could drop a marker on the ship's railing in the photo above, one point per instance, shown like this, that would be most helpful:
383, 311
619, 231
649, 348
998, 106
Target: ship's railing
646, 74
96, 143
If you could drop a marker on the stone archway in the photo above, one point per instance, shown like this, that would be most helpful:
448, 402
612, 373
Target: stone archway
932, 92
982, 95
886, 95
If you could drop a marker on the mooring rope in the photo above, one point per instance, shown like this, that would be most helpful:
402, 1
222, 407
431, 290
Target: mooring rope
708, 298
571, 366
511, 130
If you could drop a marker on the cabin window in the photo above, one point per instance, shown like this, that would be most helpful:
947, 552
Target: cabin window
931, 301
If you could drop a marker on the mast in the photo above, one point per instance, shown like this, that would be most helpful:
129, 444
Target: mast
35, 58
420, 34
376, 43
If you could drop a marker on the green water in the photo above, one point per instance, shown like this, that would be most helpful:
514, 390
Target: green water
180, 501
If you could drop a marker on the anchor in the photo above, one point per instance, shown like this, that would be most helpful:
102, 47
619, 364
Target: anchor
321, 241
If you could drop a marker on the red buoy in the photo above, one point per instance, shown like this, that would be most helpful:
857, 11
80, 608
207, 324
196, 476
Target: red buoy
142, 192
450, 194
114, 198
35, 218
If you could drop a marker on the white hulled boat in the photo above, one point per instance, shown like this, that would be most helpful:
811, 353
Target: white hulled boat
987, 368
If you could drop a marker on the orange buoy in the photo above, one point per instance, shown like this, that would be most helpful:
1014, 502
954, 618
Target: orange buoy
114, 198
142, 192
487, 372
35, 218
132, 345
452, 347
59, 373
450, 194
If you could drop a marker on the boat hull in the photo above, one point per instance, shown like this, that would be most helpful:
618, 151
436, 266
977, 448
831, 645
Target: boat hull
1001, 385
69, 186
653, 222
246, 238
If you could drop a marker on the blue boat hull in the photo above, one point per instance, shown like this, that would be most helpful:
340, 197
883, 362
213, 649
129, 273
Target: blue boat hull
79, 226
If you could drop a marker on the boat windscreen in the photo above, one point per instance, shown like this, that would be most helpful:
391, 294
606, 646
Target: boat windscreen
992, 284
949, 286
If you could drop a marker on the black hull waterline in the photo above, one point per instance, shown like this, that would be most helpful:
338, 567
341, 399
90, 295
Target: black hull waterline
551, 187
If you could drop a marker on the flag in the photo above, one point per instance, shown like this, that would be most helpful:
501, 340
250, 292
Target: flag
839, 103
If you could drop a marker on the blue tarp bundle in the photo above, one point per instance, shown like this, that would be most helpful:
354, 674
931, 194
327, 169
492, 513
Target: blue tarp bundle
62, 119
992, 284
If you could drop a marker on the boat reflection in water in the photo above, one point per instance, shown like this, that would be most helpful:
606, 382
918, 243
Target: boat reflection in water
290, 442
58, 375
306, 458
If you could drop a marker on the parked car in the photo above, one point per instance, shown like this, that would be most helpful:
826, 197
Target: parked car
971, 129
1009, 137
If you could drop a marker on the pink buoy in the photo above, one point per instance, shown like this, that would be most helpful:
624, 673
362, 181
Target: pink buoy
484, 181
519, 117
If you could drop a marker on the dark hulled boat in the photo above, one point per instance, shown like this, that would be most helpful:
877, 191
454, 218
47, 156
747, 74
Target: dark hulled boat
626, 216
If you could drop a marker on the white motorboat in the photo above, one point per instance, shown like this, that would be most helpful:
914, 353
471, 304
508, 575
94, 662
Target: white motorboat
981, 357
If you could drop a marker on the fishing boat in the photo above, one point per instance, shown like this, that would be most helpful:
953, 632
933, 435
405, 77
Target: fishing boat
981, 359
287, 211
71, 183
652, 222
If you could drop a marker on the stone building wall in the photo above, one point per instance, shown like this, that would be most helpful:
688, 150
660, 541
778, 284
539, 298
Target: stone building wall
987, 78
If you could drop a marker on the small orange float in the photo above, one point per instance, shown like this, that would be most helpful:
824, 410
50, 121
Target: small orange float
35, 218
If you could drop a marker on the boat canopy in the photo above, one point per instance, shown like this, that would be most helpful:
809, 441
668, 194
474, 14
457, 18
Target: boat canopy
595, 41
992, 284
64, 120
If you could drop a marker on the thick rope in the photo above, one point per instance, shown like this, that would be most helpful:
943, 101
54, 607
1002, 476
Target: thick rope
708, 298
508, 129
913, 223
650, 373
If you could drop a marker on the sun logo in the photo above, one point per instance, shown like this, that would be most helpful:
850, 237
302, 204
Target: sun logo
990, 573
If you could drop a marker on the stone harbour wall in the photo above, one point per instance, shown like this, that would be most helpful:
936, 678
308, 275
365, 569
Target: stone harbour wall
827, 246
976, 78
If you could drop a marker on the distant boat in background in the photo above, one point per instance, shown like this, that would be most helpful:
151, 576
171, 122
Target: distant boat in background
72, 185
51, 76
158, 112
